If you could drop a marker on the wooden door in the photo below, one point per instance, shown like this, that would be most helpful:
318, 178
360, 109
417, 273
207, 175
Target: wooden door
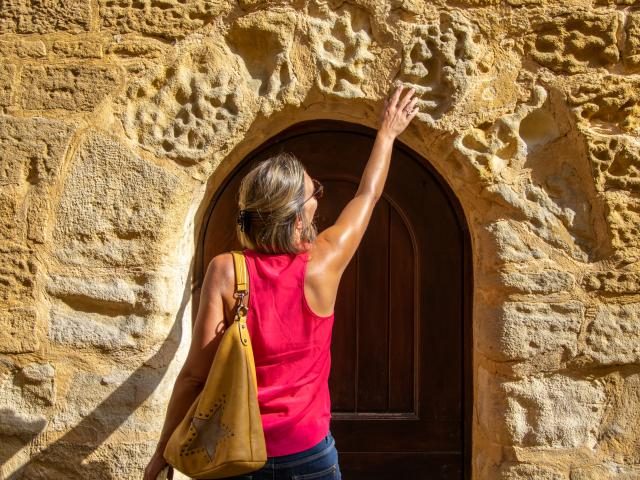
401, 379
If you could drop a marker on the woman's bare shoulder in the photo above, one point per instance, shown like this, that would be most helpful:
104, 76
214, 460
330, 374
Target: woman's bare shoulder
320, 254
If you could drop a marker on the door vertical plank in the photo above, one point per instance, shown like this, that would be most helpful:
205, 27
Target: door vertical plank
373, 307
401, 328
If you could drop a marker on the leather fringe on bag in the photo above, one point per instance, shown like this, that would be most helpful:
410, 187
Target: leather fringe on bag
221, 434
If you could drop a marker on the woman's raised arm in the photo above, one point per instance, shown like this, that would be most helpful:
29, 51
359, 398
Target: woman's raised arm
341, 240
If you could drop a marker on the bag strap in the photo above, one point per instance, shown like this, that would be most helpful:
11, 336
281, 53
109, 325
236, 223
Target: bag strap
240, 267
241, 290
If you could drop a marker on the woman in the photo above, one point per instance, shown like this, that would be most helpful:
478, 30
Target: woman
294, 276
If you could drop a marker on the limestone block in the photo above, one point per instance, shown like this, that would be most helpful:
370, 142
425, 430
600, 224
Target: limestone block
77, 49
512, 243
114, 458
114, 294
64, 459
545, 282
524, 471
113, 206
609, 104
107, 333
136, 47
546, 411
98, 404
38, 383
612, 282
18, 271
189, 109
623, 217
7, 83
23, 48
620, 435
341, 40
18, 330
173, 19
32, 150
522, 330
575, 41
613, 337
493, 148
438, 60
71, 87
549, 220
263, 41
609, 471
19, 414
631, 51
616, 163
25, 16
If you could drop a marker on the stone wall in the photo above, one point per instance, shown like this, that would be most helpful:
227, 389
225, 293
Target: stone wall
119, 119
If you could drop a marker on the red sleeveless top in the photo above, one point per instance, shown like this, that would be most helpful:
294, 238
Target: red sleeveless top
291, 349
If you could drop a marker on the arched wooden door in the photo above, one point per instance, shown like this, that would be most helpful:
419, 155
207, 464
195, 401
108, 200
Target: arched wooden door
401, 369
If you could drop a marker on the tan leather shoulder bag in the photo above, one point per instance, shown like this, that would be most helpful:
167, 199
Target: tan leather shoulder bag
221, 435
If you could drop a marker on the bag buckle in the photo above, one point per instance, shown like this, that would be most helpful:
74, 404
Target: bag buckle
242, 309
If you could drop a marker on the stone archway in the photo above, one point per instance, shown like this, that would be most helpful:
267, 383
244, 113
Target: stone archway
401, 376
533, 131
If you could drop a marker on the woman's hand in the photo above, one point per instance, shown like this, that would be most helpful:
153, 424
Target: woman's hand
397, 114
156, 464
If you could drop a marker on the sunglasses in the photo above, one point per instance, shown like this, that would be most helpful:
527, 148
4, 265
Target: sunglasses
318, 190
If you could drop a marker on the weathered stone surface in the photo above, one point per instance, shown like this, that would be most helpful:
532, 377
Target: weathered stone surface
7, 79
112, 206
17, 274
263, 42
32, 150
521, 330
66, 459
631, 51
609, 471
613, 337
187, 110
613, 282
25, 16
512, 243
86, 330
18, 330
22, 48
38, 384
546, 411
20, 415
77, 49
136, 47
112, 294
575, 41
538, 282
438, 60
623, 216
523, 471
609, 104
342, 41
170, 19
619, 439
98, 404
70, 87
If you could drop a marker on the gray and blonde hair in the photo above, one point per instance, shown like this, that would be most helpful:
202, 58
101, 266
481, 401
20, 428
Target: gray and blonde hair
270, 200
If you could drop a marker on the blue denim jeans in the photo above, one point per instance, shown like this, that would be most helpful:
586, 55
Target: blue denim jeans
319, 462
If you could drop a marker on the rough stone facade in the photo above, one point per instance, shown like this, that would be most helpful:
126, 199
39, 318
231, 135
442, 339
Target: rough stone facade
118, 117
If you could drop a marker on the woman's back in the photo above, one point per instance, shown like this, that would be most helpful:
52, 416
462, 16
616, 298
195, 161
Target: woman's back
291, 347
